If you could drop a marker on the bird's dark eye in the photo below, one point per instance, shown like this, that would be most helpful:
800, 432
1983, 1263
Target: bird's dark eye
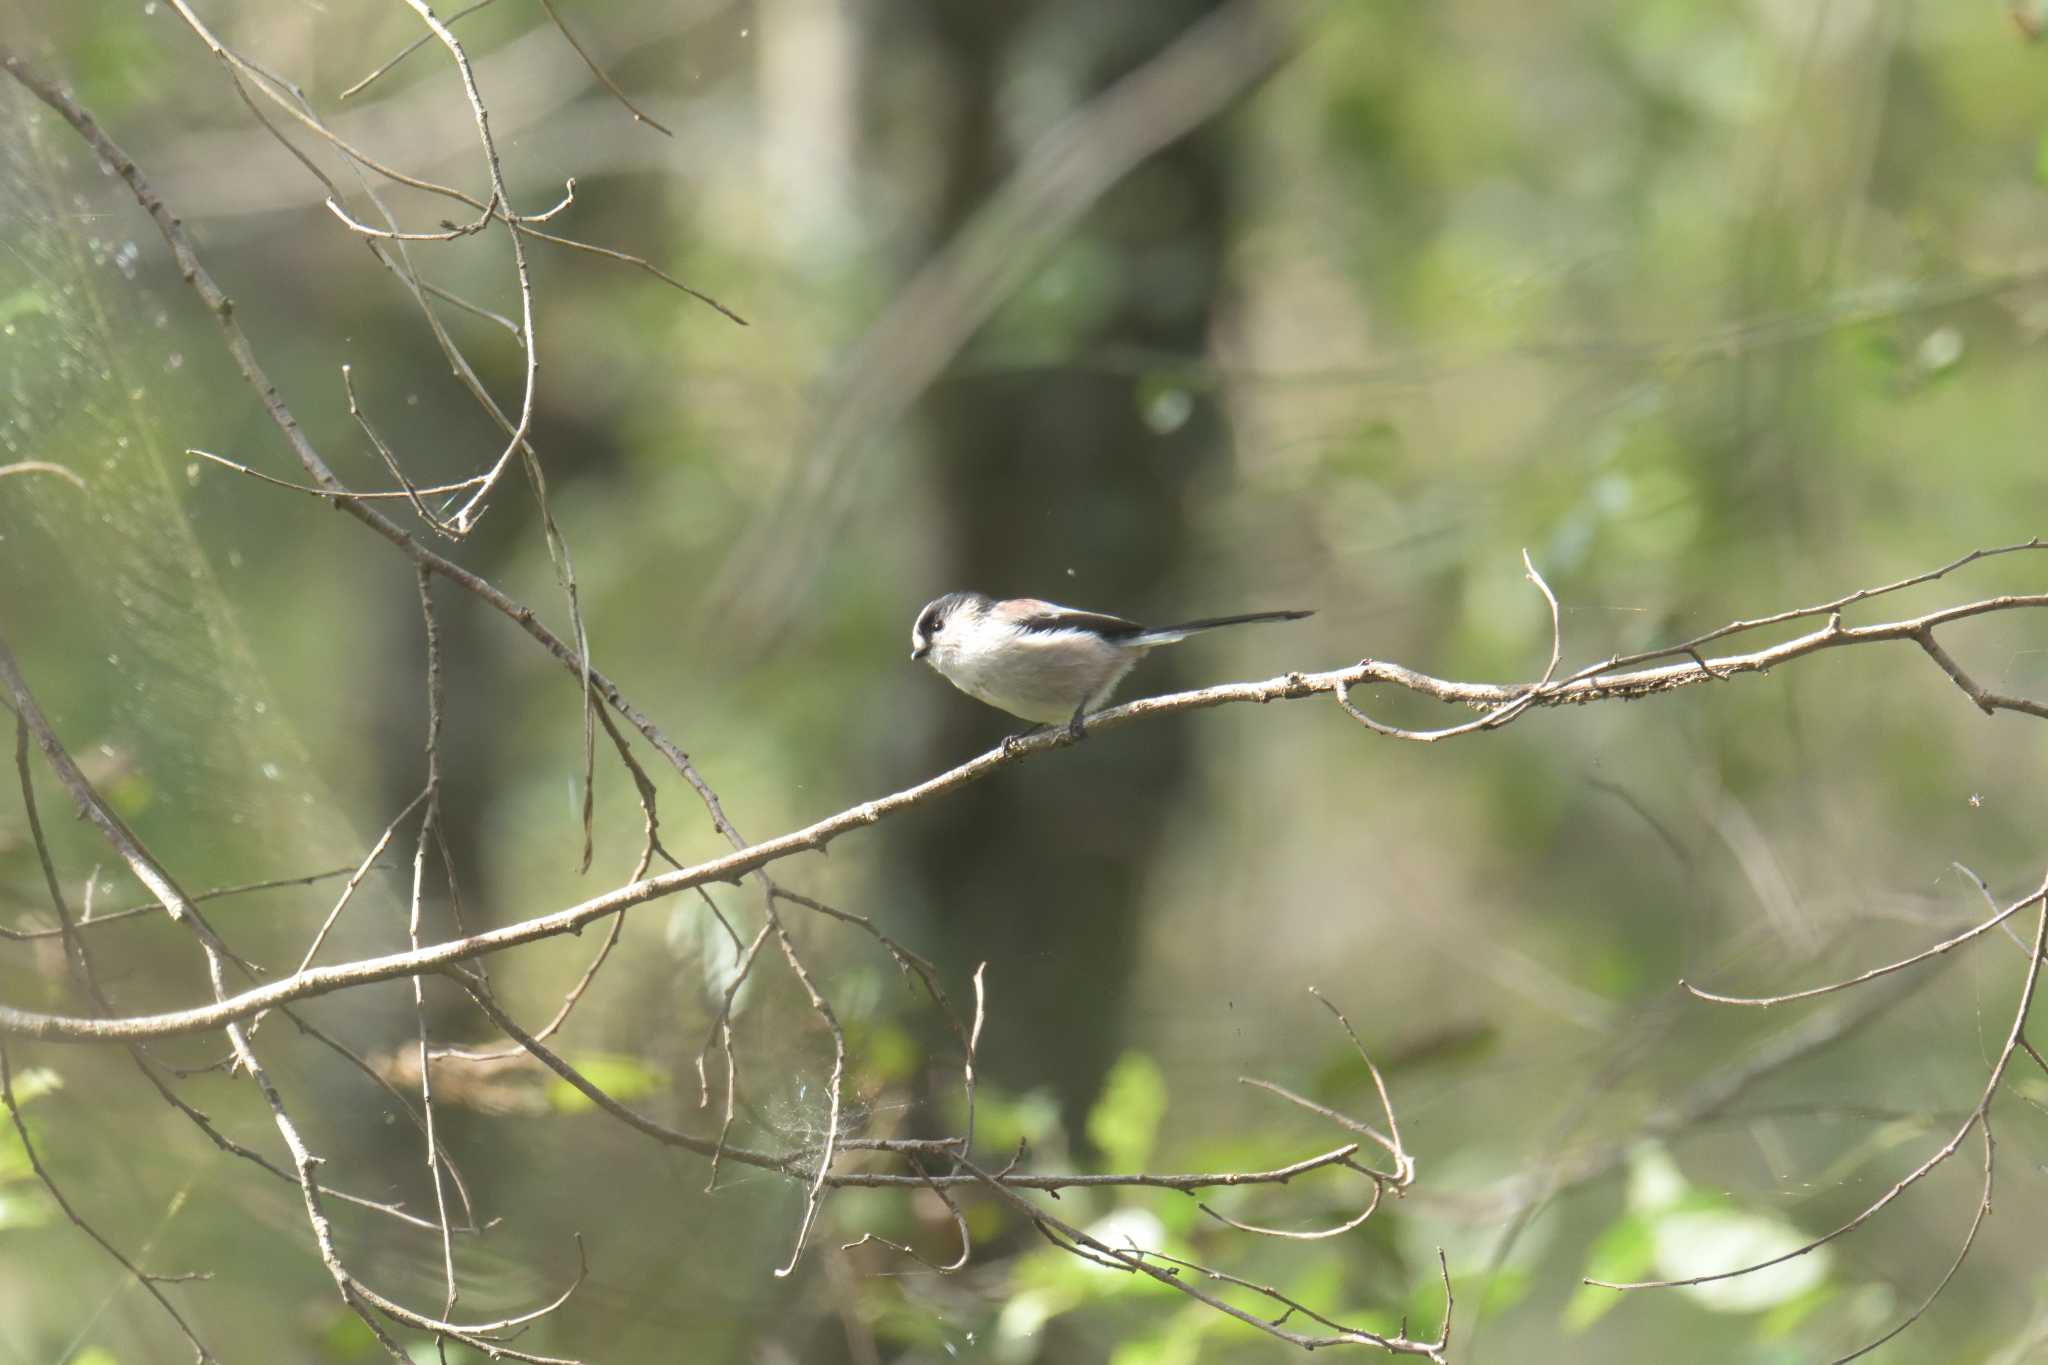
928, 625
938, 623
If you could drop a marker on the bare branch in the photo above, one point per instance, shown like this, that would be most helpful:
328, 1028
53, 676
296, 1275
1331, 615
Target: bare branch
1493, 719
483, 221
332, 495
465, 516
745, 859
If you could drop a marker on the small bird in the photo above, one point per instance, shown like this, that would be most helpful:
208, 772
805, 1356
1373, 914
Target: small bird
1039, 660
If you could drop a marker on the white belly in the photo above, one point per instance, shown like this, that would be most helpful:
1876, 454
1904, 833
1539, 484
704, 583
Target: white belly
1039, 676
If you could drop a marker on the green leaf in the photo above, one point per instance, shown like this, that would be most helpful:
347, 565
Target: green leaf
346, 1338
620, 1075
889, 1053
1941, 350
1178, 1341
1125, 1121
21, 303
23, 1205
1024, 1315
1504, 1289
34, 1083
1621, 1253
1690, 1243
1782, 1321
1166, 400
1001, 1120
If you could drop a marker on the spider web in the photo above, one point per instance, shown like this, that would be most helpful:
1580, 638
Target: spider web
107, 595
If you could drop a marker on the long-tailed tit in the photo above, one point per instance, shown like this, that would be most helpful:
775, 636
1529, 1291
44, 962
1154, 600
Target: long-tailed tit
1039, 660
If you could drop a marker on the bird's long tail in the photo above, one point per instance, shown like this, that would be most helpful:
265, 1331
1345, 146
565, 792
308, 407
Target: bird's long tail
1166, 635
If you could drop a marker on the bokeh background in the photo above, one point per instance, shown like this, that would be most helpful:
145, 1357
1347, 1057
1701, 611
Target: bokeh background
1163, 309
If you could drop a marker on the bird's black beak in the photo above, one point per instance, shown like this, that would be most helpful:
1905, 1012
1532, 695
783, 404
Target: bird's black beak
919, 652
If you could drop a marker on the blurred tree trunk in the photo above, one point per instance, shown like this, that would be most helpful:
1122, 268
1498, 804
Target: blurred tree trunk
1052, 485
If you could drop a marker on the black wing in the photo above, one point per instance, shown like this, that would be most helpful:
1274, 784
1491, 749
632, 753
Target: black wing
1036, 617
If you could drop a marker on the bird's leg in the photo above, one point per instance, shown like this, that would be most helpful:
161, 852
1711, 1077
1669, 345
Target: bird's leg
1074, 730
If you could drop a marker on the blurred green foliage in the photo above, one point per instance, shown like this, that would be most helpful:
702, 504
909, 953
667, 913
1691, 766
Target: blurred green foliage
1718, 310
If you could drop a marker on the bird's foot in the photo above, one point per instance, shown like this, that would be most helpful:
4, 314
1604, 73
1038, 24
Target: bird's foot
1013, 745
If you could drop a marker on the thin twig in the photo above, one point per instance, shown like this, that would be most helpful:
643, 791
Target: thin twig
598, 71
149, 1282
42, 467
1946, 945
437, 700
1140, 1261
91, 921
626, 258
1980, 1115
823, 1009
412, 47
